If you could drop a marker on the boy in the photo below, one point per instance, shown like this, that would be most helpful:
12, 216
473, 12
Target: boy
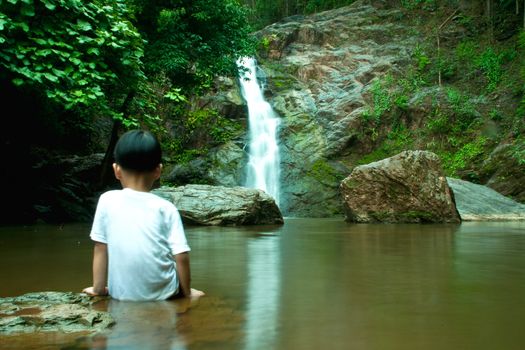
138, 234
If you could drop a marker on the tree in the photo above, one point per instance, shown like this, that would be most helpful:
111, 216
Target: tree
192, 41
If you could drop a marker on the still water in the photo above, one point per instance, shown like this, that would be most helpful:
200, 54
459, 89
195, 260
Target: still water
309, 284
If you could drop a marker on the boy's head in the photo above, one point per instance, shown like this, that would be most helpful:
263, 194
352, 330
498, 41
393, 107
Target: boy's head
138, 151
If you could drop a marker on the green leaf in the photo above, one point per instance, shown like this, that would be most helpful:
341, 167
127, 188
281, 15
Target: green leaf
22, 25
40, 41
83, 25
18, 81
28, 11
75, 61
94, 51
51, 77
49, 5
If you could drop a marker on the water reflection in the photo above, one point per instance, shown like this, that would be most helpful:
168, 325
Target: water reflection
264, 287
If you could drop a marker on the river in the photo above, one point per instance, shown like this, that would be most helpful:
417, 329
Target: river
309, 284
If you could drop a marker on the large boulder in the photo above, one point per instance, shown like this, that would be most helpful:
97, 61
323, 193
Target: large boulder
51, 312
409, 187
218, 205
480, 203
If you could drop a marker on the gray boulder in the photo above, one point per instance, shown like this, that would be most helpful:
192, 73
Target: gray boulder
218, 205
480, 203
51, 312
409, 187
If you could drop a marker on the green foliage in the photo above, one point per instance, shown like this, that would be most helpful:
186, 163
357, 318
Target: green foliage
422, 59
266, 41
455, 117
264, 12
399, 139
382, 100
192, 41
312, 6
196, 131
453, 161
466, 51
490, 63
518, 150
76, 52
413, 4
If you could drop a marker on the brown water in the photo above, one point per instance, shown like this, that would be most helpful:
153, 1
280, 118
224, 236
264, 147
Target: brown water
310, 284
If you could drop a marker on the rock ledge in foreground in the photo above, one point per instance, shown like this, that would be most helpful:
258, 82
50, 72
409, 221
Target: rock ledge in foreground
51, 312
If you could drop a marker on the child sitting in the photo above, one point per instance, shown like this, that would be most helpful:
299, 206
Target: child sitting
137, 234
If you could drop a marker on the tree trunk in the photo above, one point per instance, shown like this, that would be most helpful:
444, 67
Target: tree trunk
489, 13
106, 174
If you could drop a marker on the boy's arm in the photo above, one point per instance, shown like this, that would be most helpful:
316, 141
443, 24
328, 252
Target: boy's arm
100, 268
183, 270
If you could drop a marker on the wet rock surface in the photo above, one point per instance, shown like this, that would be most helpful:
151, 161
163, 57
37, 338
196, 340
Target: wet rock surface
51, 312
481, 203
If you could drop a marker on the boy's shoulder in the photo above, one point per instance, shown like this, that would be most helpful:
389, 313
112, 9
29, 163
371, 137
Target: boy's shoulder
151, 198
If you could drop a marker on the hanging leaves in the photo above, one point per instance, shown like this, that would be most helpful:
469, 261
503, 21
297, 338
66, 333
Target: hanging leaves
77, 52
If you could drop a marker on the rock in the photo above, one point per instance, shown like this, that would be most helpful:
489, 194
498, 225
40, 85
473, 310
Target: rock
502, 172
218, 205
51, 312
409, 187
69, 190
480, 203
222, 166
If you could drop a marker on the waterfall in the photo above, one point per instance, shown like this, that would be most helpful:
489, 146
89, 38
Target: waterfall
263, 163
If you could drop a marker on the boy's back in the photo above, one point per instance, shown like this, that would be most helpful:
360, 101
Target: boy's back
140, 246
142, 232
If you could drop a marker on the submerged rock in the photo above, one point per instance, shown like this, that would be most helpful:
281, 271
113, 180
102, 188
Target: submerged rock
51, 312
218, 205
409, 187
481, 203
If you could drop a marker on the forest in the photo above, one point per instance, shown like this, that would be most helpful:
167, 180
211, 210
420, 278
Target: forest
74, 74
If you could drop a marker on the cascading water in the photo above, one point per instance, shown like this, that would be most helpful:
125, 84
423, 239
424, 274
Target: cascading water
263, 163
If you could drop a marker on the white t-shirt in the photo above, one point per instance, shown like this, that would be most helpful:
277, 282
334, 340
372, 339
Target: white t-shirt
142, 232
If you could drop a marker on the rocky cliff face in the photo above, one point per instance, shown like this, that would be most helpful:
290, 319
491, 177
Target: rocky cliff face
324, 74
320, 70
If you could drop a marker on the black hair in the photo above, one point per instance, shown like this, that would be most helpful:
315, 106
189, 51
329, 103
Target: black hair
138, 150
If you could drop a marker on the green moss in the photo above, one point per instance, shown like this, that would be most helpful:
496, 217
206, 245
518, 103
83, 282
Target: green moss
351, 184
397, 140
324, 173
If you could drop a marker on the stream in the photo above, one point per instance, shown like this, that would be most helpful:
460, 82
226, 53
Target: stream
309, 284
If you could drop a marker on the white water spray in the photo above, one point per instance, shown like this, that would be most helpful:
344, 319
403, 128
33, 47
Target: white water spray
263, 163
